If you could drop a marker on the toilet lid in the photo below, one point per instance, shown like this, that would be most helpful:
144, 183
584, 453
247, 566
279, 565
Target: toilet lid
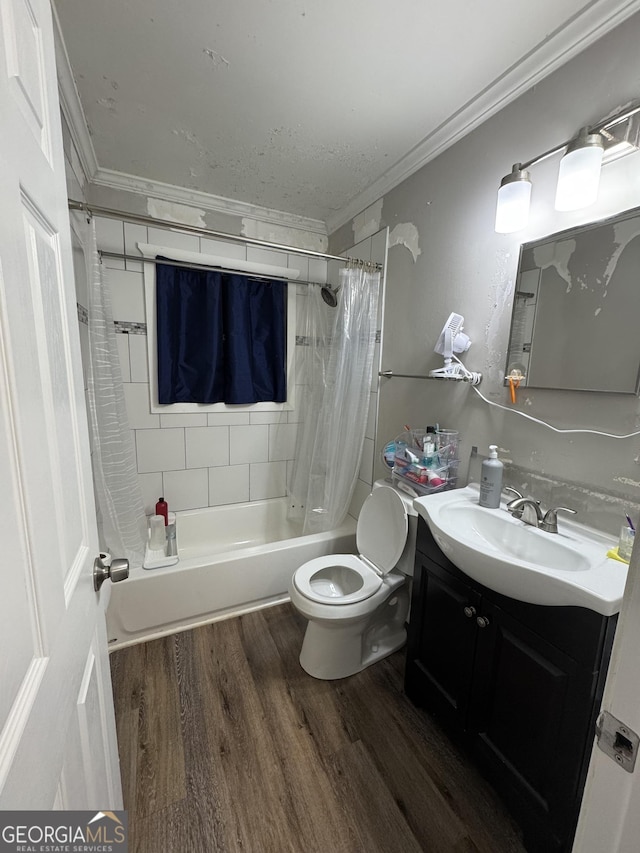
382, 528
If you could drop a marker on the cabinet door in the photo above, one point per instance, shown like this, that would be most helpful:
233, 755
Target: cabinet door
441, 646
531, 708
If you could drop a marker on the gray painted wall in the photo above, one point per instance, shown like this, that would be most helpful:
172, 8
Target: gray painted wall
446, 211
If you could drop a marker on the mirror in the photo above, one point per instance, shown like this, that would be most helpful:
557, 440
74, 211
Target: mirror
576, 309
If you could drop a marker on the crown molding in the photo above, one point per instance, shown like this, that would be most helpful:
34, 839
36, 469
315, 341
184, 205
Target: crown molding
558, 48
70, 104
205, 201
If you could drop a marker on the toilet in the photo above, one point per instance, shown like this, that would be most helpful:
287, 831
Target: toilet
357, 606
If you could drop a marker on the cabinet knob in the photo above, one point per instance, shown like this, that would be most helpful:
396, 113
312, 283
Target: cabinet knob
469, 612
482, 622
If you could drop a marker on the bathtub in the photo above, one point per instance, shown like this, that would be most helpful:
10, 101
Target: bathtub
233, 559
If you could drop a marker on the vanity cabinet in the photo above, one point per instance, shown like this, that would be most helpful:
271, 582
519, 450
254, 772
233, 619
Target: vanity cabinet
517, 685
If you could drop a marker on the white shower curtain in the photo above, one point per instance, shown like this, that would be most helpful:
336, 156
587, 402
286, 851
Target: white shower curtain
338, 364
122, 523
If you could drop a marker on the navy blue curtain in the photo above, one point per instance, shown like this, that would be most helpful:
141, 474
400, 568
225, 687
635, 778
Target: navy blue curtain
221, 337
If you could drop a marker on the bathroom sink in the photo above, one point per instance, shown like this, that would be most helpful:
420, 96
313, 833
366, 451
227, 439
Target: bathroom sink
518, 560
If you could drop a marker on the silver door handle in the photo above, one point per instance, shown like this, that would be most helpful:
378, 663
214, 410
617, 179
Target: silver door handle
105, 567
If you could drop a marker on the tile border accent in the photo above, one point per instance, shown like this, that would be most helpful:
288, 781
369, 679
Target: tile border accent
124, 327
83, 314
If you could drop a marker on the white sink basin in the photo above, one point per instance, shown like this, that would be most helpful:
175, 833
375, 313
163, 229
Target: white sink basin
518, 560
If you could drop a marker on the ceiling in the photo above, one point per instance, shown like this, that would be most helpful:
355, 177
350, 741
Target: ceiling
307, 107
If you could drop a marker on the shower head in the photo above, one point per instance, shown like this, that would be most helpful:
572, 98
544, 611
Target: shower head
330, 296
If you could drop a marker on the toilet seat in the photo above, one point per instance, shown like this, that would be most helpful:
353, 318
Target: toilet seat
381, 534
310, 581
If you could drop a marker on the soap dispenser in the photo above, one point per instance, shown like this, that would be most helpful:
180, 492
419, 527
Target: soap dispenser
491, 479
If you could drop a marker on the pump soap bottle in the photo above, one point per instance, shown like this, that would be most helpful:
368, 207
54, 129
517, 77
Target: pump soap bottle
491, 479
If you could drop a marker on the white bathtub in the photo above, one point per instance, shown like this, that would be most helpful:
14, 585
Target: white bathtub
233, 559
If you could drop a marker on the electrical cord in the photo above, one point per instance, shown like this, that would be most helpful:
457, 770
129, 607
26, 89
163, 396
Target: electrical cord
555, 429
544, 423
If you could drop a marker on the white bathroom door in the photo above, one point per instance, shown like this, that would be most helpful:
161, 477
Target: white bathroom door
57, 728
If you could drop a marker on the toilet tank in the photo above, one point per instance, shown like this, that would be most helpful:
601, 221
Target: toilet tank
406, 562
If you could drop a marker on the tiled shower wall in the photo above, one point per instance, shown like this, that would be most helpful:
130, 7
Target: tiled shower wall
202, 459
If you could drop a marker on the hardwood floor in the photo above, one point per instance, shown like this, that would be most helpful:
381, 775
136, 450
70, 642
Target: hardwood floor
226, 744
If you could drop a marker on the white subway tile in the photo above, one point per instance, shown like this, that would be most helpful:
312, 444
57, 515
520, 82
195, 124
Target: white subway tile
228, 418
268, 417
195, 420
228, 485
267, 480
110, 238
87, 408
134, 234
136, 395
318, 270
83, 331
366, 463
224, 248
186, 489
374, 370
160, 450
127, 295
266, 256
174, 239
138, 356
361, 250
370, 431
207, 447
282, 441
122, 342
248, 444
300, 263
360, 494
379, 247
151, 487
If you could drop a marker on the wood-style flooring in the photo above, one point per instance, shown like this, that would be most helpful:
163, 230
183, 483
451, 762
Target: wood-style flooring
226, 744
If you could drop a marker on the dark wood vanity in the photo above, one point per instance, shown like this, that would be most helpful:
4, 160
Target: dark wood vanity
518, 686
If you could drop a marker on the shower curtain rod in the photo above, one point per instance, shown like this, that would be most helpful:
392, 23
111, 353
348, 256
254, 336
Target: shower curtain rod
110, 213
142, 259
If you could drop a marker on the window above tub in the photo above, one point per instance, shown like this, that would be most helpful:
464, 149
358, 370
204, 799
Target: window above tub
214, 262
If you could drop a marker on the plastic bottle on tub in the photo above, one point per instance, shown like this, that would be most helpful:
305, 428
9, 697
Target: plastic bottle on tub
491, 479
162, 508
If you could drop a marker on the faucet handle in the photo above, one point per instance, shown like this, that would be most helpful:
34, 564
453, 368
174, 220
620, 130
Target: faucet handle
550, 521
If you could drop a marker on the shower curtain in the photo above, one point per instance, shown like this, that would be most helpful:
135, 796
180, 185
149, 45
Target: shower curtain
337, 369
122, 525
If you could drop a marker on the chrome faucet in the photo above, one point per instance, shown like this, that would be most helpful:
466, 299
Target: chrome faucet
528, 511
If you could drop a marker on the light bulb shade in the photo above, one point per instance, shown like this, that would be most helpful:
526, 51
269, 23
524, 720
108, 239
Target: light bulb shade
579, 175
514, 197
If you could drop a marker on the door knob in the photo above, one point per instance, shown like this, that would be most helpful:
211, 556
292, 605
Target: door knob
469, 612
105, 567
483, 622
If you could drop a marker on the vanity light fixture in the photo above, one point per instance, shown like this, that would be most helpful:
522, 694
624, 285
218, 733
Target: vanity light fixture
579, 173
514, 196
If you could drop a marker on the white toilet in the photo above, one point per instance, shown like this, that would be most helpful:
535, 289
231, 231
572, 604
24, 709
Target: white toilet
357, 606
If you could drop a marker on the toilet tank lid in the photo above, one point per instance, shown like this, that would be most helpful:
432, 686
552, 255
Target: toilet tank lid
382, 529
407, 499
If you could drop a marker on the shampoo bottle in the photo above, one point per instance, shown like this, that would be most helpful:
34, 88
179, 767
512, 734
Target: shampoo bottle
491, 479
162, 509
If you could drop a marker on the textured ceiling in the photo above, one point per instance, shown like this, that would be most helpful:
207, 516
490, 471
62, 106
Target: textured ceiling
294, 105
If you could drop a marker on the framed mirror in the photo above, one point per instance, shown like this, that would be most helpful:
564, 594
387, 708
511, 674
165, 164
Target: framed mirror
576, 310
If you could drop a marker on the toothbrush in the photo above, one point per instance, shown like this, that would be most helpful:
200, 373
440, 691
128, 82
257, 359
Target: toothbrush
630, 523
